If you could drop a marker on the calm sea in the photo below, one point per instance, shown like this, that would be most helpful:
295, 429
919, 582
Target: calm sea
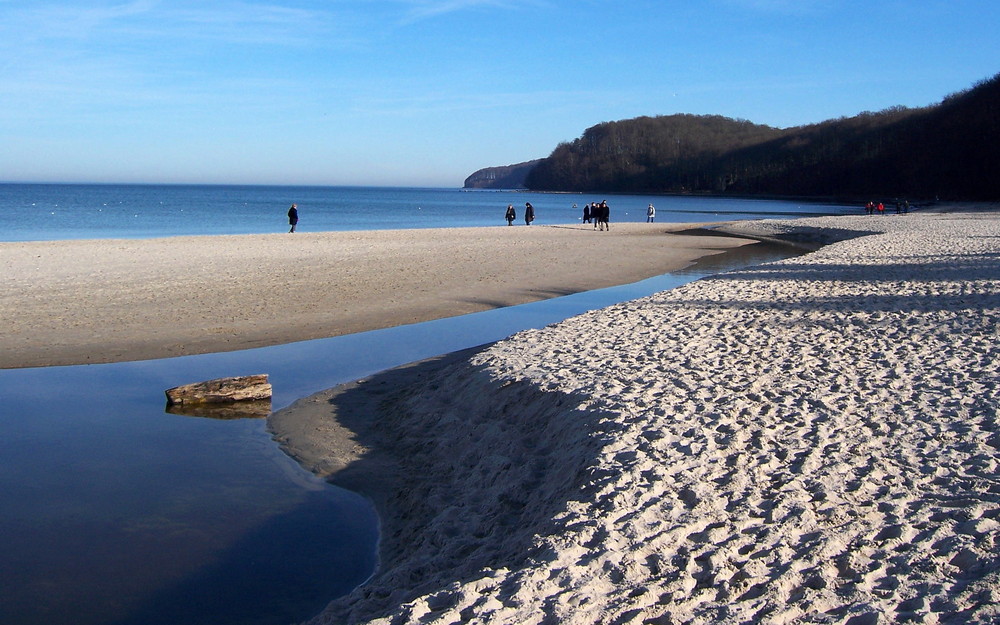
31, 212
114, 511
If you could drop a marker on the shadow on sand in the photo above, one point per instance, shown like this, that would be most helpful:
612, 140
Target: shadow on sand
468, 472
464, 473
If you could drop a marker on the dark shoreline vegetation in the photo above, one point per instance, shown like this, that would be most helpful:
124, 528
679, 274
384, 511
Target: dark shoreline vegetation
950, 150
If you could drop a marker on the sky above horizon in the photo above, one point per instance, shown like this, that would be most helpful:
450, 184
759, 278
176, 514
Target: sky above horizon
425, 92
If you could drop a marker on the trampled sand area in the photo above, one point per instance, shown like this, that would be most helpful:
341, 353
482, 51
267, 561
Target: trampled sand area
808, 441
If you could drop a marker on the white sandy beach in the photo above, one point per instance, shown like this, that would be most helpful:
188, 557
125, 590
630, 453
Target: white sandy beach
809, 441
78, 302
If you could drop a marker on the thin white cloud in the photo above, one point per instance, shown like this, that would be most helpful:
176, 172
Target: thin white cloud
426, 9
229, 22
80, 61
271, 24
791, 7
67, 21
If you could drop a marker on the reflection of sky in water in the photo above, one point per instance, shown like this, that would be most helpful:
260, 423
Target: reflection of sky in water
114, 511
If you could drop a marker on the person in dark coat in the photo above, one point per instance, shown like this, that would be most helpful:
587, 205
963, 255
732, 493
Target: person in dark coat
293, 217
529, 213
511, 215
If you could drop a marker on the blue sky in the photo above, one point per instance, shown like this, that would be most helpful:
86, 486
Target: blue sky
424, 92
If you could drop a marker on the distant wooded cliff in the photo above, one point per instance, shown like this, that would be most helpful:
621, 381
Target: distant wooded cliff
505, 177
950, 150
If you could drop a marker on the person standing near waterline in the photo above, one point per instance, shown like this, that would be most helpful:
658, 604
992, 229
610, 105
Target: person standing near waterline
650, 214
293, 217
529, 213
511, 215
604, 216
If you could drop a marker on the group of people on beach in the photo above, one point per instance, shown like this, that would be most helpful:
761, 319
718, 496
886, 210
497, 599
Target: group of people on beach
599, 213
902, 207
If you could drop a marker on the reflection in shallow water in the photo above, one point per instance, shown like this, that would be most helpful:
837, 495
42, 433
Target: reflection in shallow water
258, 409
116, 512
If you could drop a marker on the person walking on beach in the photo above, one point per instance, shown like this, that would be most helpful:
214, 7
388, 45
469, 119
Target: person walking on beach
870, 207
293, 217
586, 213
604, 216
529, 213
511, 215
650, 214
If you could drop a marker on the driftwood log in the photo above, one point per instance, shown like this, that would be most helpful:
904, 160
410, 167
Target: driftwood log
221, 391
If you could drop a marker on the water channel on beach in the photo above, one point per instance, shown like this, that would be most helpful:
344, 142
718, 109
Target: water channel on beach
115, 511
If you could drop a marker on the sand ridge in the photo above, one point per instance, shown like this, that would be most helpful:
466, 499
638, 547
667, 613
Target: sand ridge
90, 301
813, 440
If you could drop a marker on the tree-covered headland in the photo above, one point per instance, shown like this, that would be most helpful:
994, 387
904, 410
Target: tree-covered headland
949, 150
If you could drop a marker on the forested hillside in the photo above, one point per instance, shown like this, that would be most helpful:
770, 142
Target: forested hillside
950, 150
672, 153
